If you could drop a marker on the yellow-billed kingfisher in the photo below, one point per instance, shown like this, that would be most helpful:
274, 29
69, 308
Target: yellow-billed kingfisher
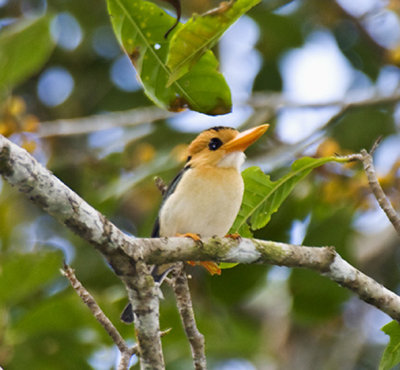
205, 197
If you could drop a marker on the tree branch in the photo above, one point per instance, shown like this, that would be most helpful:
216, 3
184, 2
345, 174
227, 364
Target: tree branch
324, 260
184, 301
378, 192
380, 196
143, 295
20, 169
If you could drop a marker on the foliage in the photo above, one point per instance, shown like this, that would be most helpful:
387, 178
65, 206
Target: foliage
263, 197
391, 356
140, 27
18, 60
200, 33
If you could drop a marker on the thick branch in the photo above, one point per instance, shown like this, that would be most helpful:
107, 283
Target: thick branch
143, 295
164, 250
324, 260
20, 169
184, 301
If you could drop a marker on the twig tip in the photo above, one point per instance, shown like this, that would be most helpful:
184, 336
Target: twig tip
375, 145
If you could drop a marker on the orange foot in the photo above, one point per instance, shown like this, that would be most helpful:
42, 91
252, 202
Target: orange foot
234, 236
195, 237
211, 267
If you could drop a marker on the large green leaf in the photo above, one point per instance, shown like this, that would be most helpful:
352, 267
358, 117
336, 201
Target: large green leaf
391, 356
262, 197
201, 33
24, 48
140, 27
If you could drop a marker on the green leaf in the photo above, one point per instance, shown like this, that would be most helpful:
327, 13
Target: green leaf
201, 33
278, 33
262, 197
140, 27
23, 274
391, 355
227, 265
24, 48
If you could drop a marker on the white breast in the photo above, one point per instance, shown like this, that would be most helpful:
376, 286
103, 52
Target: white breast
205, 202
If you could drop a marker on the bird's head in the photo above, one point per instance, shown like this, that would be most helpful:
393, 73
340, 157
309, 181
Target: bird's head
222, 146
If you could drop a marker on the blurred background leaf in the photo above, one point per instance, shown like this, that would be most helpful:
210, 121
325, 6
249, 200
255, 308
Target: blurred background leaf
24, 47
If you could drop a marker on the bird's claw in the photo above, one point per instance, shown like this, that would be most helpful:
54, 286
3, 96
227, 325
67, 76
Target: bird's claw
211, 267
195, 237
234, 236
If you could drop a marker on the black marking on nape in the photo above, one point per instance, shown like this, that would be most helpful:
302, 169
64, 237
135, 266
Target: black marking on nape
218, 128
214, 143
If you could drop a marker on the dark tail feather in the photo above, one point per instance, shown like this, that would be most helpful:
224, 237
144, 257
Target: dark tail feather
127, 314
160, 272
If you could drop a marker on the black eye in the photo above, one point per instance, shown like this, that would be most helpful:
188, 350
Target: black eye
214, 143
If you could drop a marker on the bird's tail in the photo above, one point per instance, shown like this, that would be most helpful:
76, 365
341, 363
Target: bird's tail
127, 314
159, 273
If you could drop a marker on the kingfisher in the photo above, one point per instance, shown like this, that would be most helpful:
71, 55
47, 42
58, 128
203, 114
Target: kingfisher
204, 199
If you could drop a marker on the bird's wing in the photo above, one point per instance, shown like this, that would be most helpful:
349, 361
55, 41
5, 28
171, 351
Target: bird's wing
171, 188
159, 272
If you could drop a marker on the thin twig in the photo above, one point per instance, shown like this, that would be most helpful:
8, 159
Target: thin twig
161, 185
378, 192
87, 298
375, 145
380, 196
185, 307
124, 362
